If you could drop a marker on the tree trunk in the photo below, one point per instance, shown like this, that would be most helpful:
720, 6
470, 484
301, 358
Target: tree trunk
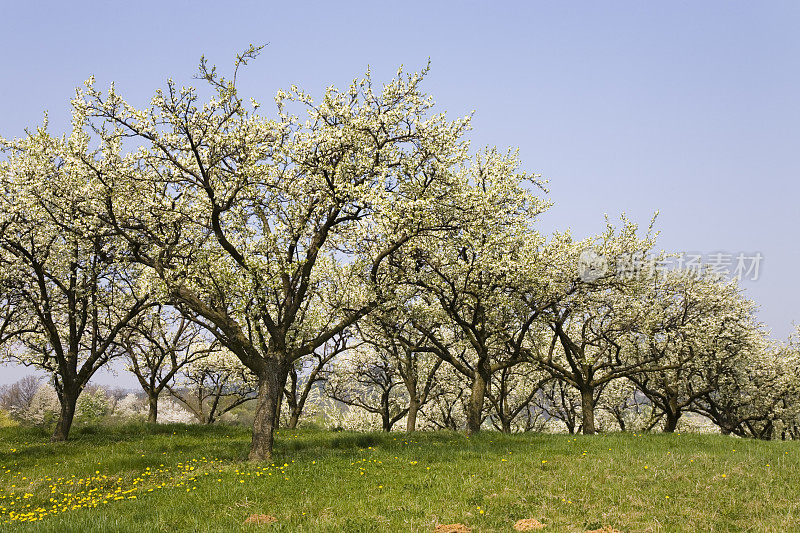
587, 411
671, 422
152, 415
279, 406
385, 416
505, 424
476, 399
295, 407
68, 399
411, 417
294, 419
270, 394
766, 433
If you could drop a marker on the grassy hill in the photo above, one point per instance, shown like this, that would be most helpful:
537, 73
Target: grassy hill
190, 478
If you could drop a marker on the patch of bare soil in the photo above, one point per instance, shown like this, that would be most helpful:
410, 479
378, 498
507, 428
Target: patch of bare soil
605, 529
528, 524
260, 519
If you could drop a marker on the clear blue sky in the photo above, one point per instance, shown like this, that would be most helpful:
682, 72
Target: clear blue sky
690, 108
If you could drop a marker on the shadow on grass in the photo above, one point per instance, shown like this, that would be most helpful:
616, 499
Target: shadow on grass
31, 444
229, 442
300, 443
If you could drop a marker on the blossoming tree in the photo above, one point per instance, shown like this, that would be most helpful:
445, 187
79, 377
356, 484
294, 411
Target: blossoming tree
244, 221
693, 323
472, 276
584, 338
71, 294
158, 344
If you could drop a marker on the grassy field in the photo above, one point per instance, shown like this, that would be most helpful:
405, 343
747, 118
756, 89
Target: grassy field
189, 478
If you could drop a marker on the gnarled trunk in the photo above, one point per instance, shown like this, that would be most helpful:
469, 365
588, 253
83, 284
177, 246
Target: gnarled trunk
152, 414
68, 399
587, 411
294, 419
295, 407
385, 414
672, 416
411, 417
476, 400
270, 393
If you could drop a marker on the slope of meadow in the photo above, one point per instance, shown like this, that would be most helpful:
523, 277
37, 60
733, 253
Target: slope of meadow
191, 478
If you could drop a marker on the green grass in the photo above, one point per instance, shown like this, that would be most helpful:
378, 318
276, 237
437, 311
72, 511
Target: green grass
326, 481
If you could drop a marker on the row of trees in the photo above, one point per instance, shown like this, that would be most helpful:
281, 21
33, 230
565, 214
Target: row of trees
364, 246
350, 384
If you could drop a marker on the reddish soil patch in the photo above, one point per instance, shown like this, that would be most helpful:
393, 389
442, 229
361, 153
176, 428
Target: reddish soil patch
260, 519
606, 529
528, 524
